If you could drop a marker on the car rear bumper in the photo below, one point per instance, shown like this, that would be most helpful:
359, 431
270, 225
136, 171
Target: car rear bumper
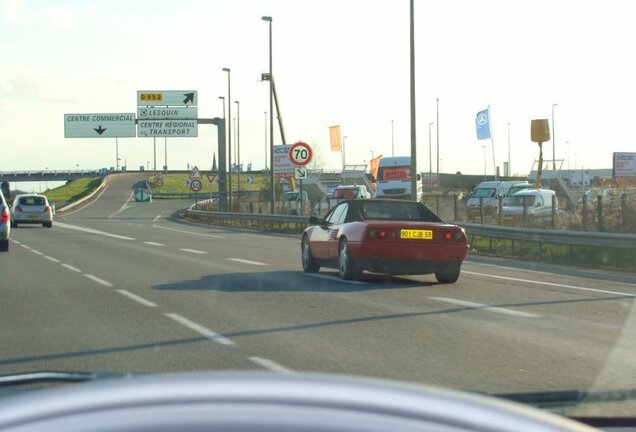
36, 220
412, 257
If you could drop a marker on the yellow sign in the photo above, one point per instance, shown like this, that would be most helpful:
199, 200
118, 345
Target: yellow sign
150, 96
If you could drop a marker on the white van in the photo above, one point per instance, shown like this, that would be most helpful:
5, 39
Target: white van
394, 178
538, 203
489, 192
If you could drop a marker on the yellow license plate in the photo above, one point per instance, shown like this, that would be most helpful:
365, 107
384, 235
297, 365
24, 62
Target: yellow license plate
416, 234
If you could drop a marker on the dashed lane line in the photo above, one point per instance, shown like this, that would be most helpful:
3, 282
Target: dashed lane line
553, 284
70, 267
485, 307
244, 261
98, 280
210, 334
194, 251
271, 365
136, 298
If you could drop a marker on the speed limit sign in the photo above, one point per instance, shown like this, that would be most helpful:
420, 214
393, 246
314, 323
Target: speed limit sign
300, 153
195, 185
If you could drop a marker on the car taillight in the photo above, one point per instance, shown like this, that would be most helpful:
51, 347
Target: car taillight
455, 235
18, 209
46, 209
4, 216
378, 233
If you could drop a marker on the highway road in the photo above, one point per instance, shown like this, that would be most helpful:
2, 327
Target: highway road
126, 287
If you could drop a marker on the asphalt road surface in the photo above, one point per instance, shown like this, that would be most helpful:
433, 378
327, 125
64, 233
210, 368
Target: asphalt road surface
126, 287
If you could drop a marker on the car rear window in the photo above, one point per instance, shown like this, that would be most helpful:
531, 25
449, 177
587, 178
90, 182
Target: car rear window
398, 211
32, 200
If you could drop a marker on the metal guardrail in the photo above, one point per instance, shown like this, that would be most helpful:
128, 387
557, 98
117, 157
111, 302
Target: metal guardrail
568, 238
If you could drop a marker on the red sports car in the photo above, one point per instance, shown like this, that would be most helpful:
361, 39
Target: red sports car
384, 236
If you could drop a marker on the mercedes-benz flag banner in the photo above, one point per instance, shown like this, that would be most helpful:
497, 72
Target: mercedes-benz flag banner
482, 124
334, 135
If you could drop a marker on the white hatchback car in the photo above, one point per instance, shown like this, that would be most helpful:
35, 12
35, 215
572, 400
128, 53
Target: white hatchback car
31, 209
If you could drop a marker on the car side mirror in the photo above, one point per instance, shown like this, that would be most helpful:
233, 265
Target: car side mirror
538, 204
418, 176
315, 220
372, 179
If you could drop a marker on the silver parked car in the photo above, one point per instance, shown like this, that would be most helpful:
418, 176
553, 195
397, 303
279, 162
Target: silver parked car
5, 226
31, 209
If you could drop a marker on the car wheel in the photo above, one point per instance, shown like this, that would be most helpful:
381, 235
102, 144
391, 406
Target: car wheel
309, 263
346, 266
48, 225
4, 246
448, 274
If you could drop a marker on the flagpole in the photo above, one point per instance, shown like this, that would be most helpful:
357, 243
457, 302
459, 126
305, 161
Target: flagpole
492, 143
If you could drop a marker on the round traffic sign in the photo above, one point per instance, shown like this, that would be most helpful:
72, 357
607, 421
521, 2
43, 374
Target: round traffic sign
195, 185
300, 153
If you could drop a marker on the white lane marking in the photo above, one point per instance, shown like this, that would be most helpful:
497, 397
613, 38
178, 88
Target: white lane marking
70, 267
15, 241
153, 243
98, 280
25, 246
549, 284
188, 232
335, 279
93, 200
547, 273
271, 365
156, 218
55, 260
486, 307
136, 298
125, 206
93, 231
37, 252
244, 261
210, 334
192, 251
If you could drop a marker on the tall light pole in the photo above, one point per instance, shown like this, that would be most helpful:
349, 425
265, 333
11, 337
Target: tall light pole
412, 100
392, 141
553, 139
509, 173
238, 149
430, 156
265, 159
344, 173
268, 19
437, 135
116, 154
225, 122
229, 135
165, 154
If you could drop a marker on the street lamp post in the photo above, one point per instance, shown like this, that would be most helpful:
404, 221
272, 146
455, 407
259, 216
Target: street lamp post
392, 140
265, 159
437, 135
430, 156
344, 173
553, 139
238, 149
229, 135
268, 19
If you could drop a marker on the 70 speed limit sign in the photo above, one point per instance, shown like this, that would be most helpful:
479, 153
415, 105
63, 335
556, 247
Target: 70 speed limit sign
300, 153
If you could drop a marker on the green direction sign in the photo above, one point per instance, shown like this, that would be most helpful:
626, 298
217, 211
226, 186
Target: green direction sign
142, 196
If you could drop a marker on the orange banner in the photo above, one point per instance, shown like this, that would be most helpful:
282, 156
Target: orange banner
373, 167
334, 135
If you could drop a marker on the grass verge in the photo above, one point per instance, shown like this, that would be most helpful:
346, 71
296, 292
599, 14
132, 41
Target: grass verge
73, 190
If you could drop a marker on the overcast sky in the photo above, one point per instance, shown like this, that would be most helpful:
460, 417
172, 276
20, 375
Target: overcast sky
335, 62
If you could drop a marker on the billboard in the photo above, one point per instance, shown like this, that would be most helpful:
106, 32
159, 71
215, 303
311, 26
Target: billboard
623, 164
283, 166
